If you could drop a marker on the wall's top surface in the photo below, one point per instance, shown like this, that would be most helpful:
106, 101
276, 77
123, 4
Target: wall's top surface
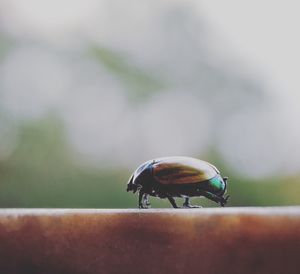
223, 240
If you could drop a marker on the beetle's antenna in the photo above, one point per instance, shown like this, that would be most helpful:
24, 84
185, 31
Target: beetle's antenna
130, 183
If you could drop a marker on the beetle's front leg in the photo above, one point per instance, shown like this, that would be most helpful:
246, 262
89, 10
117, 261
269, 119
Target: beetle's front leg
187, 203
146, 200
141, 194
142, 199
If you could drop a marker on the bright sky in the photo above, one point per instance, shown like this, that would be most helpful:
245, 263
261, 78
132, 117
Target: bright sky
263, 33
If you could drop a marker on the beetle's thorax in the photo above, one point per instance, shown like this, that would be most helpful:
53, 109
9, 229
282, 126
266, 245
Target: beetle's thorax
143, 175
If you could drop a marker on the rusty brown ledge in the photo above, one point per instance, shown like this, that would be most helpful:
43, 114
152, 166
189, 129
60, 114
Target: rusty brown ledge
218, 240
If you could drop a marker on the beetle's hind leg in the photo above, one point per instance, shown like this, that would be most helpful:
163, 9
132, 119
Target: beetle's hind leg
187, 204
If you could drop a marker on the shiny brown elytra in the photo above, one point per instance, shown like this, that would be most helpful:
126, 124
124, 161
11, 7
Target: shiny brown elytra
171, 177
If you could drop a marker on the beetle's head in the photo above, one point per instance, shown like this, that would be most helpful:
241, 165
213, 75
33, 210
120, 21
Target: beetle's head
131, 186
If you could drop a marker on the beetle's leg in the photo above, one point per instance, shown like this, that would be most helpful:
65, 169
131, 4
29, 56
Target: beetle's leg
141, 202
142, 195
187, 203
172, 201
146, 199
224, 201
215, 198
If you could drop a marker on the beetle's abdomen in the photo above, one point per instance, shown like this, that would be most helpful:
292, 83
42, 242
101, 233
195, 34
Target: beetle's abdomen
182, 170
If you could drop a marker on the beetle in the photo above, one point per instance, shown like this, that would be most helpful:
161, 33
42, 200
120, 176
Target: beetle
178, 176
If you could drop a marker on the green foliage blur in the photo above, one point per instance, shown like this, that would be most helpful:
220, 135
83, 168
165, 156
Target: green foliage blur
41, 173
44, 171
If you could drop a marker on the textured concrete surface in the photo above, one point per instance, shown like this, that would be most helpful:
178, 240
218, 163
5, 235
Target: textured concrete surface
222, 240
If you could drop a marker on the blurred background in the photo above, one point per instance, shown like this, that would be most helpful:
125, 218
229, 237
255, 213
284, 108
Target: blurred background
91, 89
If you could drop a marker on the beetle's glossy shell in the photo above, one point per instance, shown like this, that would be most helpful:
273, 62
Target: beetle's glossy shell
182, 170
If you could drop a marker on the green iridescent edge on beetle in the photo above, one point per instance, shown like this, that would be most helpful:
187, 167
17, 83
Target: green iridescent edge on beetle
217, 183
178, 176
